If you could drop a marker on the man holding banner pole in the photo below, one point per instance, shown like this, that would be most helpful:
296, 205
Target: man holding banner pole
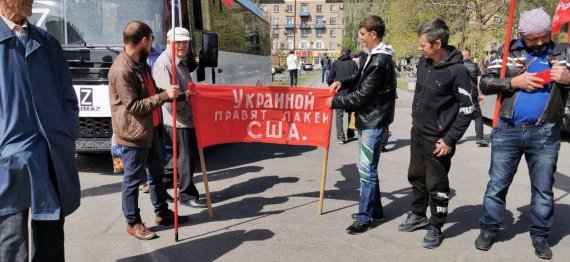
373, 99
186, 134
534, 93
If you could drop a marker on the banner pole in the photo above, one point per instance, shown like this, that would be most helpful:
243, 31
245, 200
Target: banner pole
323, 180
174, 131
206, 186
506, 52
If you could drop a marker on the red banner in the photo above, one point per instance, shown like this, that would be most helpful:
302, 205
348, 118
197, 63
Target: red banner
274, 114
228, 3
561, 17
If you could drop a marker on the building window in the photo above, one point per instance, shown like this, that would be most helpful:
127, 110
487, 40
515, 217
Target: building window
289, 32
333, 8
333, 20
289, 9
275, 32
319, 8
319, 32
290, 44
304, 32
275, 8
304, 8
319, 44
304, 44
264, 8
276, 21
319, 20
289, 20
332, 45
332, 32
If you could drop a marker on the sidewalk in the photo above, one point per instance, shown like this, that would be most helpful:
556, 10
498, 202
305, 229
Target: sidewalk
265, 207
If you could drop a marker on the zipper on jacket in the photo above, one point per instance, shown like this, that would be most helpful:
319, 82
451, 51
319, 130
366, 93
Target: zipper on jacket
552, 90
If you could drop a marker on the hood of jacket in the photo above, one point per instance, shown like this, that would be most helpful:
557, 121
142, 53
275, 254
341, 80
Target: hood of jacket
453, 57
344, 57
383, 49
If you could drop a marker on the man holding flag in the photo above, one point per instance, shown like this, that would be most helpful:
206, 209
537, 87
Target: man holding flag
534, 94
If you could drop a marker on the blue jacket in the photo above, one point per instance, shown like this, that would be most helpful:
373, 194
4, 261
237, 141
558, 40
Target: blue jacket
52, 110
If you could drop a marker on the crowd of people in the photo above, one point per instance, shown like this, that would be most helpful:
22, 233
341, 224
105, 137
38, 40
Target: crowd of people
39, 178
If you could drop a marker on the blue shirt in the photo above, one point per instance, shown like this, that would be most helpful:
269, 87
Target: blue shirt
529, 106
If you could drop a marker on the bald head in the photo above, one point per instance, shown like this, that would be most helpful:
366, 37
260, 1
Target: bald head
466, 54
135, 31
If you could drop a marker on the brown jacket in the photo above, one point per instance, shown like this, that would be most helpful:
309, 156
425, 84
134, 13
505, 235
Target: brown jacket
131, 105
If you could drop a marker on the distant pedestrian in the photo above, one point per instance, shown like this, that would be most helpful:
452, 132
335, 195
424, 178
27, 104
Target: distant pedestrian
293, 68
342, 68
325, 67
477, 97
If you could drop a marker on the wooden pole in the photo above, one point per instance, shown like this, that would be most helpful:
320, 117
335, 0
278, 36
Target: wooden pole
506, 52
206, 186
323, 179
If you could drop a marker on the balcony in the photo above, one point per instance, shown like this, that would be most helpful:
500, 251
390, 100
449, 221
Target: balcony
304, 14
305, 26
289, 26
320, 26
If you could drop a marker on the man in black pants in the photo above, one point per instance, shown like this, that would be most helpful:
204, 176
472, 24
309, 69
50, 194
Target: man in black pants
342, 68
441, 113
474, 76
186, 134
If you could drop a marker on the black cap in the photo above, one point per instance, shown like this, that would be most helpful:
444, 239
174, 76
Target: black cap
345, 51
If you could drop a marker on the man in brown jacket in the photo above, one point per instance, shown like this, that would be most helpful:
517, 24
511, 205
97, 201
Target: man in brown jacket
135, 106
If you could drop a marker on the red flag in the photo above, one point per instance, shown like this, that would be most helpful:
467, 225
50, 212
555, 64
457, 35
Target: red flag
276, 114
228, 3
561, 17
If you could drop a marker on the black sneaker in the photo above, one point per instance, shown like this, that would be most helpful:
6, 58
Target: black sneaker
541, 248
482, 143
433, 237
413, 222
484, 241
374, 219
357, 228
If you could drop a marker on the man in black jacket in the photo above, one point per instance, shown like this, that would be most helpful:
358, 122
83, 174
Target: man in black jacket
342, 68
441, 114
373, 100
532, 108
475, 76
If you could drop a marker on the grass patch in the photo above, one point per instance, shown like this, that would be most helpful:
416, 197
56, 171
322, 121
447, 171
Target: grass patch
301, 80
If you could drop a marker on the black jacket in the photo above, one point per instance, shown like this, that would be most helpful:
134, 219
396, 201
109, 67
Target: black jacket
492, 84
374, 94
474, 73
442, 104
342, 68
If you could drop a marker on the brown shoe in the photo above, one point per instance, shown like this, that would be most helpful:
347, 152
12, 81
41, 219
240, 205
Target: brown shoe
168, 219
140, 231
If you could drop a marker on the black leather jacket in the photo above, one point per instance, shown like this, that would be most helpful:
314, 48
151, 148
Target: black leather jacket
492, 84
374, 94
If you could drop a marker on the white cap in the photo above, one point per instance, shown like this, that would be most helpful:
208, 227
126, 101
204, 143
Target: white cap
182, 34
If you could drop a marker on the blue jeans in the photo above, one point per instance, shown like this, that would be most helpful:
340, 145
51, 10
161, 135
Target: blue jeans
135, 160
370, 144
540, 146
324, 75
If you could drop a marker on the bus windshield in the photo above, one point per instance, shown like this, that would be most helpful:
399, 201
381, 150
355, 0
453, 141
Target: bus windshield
100, 22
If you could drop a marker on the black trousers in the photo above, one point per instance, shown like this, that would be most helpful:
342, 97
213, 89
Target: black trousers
478, 117
187, 155
428, 176
47, 239
293, 77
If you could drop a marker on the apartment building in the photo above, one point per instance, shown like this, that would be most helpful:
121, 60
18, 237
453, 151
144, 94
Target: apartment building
309, 27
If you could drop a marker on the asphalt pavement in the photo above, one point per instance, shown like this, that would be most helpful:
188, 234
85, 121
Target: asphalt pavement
265, 207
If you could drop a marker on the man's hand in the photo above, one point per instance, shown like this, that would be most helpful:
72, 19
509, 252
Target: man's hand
527, 82
560, 74
329, 101
189, 93
173, 91
481, 99
335, 86
441, 149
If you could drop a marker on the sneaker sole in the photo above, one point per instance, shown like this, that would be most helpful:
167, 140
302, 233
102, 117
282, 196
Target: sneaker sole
358, 233
543, 257
424, 223
431, 246
483, 248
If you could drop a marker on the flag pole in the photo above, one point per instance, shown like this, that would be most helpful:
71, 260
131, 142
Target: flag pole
506, 52
174, 131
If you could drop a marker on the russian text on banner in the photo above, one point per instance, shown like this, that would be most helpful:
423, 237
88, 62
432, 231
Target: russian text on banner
274, 114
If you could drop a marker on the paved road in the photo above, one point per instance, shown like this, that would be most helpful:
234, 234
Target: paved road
265, 203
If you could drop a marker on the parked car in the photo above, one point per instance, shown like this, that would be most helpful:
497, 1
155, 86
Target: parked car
317, 67
308, 67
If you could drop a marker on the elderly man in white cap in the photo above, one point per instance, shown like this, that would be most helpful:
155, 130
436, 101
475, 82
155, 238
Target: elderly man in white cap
534, 94
186, 134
